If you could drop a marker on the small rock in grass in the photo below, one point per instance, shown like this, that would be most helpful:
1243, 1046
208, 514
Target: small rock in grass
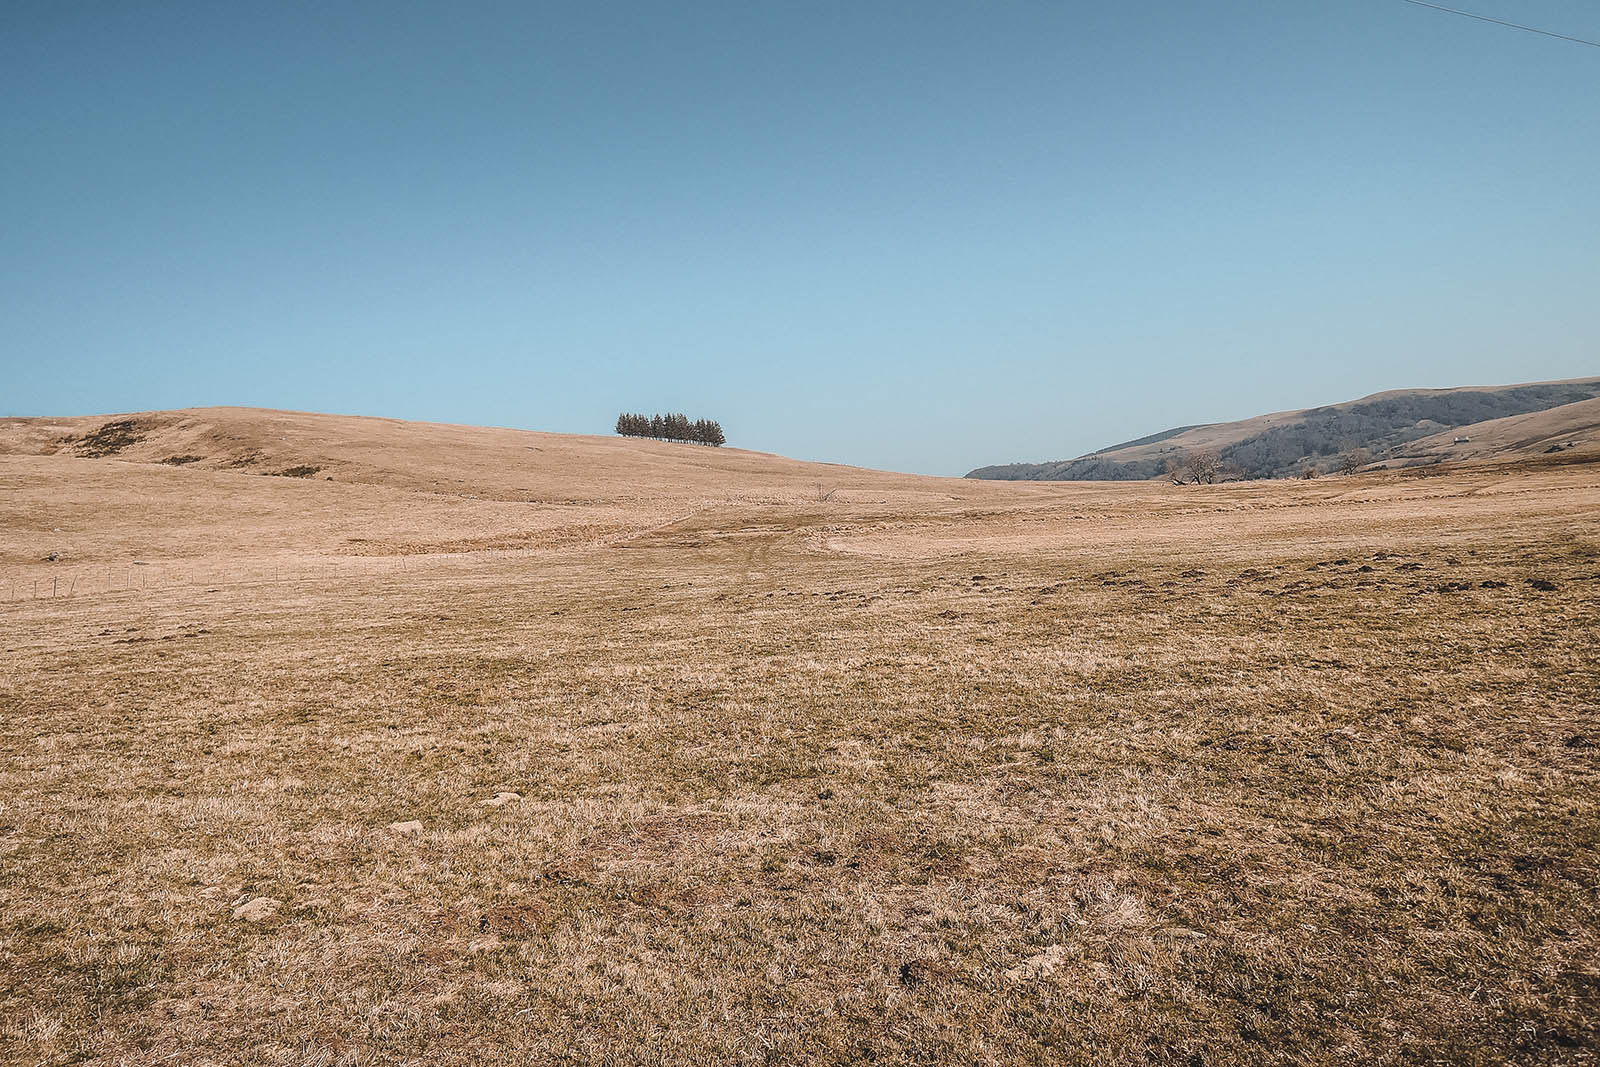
1043, 965
502, 798
257, 910
414, 826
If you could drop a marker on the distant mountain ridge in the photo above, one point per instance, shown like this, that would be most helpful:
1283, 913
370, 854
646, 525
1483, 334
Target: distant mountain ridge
1398, 428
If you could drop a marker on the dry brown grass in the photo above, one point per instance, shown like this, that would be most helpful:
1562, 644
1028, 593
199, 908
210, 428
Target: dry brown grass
928, 772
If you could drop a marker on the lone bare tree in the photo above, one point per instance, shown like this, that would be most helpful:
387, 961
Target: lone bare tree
1203, 465
1353, 460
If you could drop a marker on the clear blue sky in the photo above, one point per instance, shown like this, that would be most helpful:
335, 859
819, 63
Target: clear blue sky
922, 236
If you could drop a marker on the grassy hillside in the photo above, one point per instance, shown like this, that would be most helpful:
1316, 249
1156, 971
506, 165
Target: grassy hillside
1400, 427
248, 484
517, 748
1570, 428
485, 462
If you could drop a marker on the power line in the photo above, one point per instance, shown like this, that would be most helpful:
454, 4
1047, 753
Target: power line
1502, 22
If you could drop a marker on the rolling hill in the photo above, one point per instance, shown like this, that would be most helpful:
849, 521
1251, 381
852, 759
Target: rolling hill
248, 483
504, 746
481, 462
1403, 427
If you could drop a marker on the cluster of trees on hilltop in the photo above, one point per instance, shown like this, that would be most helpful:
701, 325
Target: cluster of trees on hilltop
672, 427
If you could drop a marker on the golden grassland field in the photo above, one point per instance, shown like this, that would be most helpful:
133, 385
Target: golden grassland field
486, 747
